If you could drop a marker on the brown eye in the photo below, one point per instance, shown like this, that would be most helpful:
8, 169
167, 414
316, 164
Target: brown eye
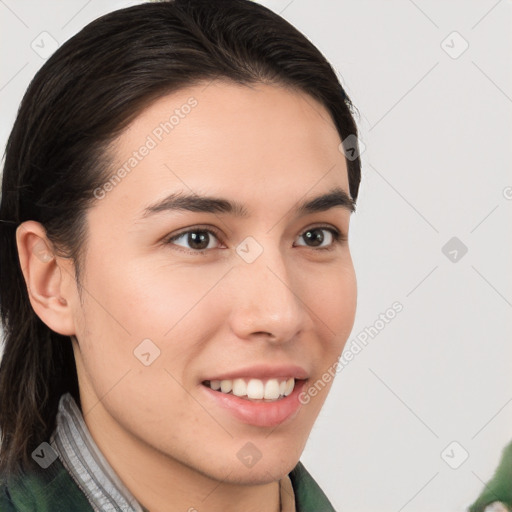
195, 239
321, 237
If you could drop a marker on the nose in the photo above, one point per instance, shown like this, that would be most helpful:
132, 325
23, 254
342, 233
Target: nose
266, 300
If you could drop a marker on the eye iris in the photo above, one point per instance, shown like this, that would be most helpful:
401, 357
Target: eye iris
198, 238
316, 239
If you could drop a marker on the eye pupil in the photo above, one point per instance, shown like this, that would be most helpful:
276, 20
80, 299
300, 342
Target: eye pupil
194, 239
316, 239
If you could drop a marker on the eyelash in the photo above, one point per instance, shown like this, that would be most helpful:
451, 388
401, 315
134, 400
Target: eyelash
338, 238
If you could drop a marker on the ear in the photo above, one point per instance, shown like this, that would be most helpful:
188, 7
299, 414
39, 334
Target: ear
47, 277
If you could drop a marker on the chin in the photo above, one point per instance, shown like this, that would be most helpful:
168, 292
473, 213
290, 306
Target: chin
263, 471
260, 474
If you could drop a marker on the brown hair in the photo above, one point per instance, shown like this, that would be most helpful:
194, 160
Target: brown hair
57, 155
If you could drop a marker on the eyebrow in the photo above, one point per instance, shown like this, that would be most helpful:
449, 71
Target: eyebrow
180, 201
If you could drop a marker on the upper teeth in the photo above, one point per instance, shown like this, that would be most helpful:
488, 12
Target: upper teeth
254, 388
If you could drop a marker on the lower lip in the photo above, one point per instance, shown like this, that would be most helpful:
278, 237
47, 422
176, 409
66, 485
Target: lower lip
260, 414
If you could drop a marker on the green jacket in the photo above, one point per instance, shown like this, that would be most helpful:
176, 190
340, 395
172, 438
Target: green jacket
54, 490
499, 489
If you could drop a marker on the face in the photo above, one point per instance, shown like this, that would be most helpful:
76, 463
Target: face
182, 297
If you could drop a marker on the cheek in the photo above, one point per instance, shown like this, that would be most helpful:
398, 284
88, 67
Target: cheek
331, 295
154, 311
128, 303
141, 297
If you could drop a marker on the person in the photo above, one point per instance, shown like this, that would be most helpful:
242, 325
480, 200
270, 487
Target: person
176, 284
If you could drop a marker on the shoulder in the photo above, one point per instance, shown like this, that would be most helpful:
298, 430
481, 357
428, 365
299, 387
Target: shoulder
48, 489
6, 504
308, 495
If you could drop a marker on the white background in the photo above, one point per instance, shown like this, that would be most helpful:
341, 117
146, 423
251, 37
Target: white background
436, 166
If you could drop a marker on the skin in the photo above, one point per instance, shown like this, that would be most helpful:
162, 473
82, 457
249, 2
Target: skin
267, 147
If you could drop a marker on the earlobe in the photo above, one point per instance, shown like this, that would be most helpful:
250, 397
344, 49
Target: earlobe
44, 277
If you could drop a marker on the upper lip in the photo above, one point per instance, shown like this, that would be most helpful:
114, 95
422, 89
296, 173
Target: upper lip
263, 371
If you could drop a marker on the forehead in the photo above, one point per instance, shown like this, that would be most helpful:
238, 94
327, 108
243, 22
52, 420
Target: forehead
245, 142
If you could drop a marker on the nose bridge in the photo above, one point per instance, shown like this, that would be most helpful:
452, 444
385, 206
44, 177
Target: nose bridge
266, 300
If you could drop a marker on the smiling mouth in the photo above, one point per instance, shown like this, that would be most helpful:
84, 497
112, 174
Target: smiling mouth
258, 390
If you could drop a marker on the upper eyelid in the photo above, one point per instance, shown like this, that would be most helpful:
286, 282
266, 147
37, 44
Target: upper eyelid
208, 229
